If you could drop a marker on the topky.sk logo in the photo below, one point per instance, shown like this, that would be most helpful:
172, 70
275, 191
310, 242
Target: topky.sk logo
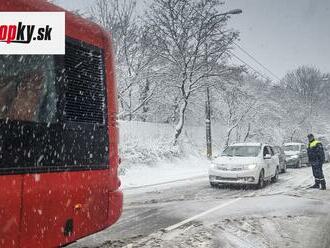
21, 33
32, 33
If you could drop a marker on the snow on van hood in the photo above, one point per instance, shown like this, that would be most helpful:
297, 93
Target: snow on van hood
226, 160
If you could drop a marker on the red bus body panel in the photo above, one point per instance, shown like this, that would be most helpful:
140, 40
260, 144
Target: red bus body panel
35, 207
10, 209
47, 204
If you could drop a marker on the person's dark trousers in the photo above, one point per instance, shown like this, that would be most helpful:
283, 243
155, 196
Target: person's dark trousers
318, 175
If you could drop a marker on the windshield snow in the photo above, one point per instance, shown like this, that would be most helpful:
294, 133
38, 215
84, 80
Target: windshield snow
241, 151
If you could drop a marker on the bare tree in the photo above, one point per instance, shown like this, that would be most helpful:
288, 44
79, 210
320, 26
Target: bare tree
191, 39
305, 84
235, 105
133, 60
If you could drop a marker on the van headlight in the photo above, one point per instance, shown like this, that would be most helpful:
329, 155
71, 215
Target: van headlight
213, 166
294, 156
250, 166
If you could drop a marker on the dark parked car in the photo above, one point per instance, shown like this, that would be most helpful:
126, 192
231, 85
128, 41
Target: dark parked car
281, 157
295, 154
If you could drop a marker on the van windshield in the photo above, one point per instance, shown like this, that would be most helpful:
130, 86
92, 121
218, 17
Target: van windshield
241, 151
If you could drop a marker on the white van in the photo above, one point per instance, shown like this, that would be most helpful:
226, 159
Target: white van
245, 163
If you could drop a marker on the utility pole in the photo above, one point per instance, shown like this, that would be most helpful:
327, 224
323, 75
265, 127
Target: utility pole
208, 106
208, 125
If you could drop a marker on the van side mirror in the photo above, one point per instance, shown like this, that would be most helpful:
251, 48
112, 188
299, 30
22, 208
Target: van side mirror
267, 156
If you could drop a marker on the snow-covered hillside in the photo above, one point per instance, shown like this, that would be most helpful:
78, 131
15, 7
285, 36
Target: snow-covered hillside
145, 143
148, 154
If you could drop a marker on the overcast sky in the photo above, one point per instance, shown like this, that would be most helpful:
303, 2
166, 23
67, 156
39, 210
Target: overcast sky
281, 34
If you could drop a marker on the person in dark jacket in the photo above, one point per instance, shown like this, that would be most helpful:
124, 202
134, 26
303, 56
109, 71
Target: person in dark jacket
316, 158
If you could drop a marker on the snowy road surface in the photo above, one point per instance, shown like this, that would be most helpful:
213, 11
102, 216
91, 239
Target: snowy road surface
190, 213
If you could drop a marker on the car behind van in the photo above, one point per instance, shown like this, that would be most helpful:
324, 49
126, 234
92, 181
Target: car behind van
295, 154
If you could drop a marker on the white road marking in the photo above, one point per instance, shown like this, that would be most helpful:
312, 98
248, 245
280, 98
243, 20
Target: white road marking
170, 228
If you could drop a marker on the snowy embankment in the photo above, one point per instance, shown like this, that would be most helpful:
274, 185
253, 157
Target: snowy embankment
165, 171
149, 157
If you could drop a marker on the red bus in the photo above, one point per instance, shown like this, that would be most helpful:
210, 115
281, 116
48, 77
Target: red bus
58, 138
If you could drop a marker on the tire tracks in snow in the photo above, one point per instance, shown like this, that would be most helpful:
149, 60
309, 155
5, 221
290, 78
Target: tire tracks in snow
161, 197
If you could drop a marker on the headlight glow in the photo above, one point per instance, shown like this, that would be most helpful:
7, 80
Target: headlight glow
213, 165
250, 166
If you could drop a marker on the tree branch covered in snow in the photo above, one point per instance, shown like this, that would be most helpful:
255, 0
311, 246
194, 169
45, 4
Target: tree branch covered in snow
191, 40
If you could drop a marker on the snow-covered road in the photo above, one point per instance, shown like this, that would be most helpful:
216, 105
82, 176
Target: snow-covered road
190, 213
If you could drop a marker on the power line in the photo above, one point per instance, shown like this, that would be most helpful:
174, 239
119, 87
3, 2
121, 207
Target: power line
255, 60
250, 66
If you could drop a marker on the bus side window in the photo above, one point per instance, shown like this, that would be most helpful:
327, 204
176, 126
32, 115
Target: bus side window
27, 88
7, 93
29, 95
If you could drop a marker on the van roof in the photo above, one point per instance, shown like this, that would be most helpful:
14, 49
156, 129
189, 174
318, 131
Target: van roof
293, 144
247, 144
